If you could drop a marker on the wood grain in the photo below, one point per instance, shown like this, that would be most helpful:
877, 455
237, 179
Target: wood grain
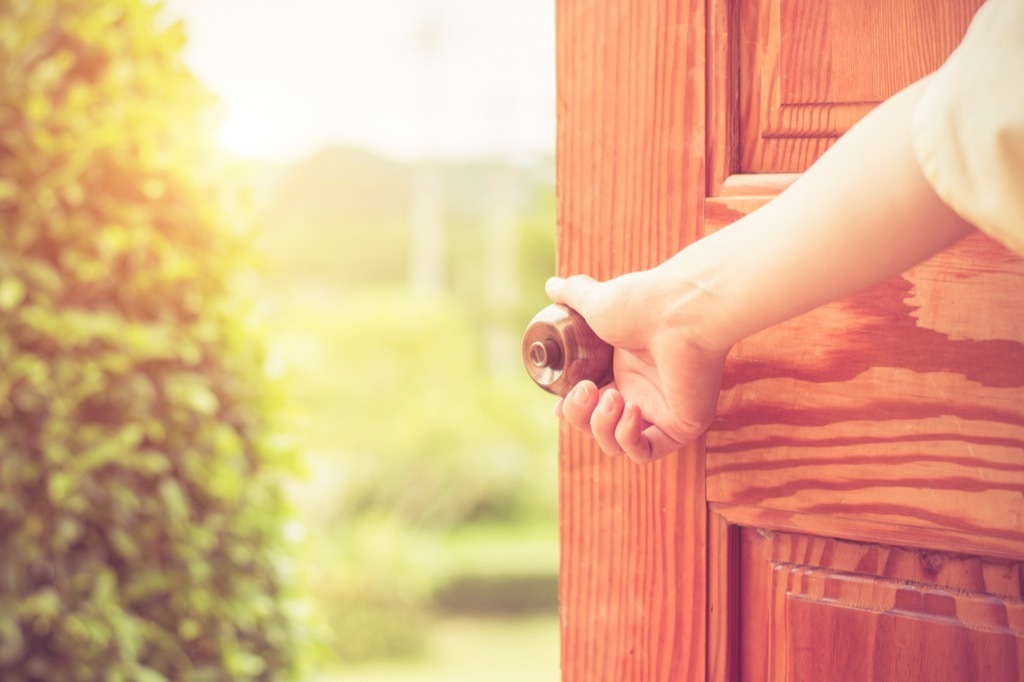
740, 194
893, 420
903, 403
761, 185
630, 177
917, 379
884, 424
723, 598
839, 610
723, 91
813, 69
882, 532
823, 45
632, 567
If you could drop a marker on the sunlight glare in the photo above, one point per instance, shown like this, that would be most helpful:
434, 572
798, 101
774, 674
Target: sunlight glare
400, 77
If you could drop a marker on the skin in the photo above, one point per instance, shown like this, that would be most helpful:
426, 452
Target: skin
672, 326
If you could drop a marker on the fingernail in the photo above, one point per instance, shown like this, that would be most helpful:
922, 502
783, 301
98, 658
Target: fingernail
581, 394
607, 403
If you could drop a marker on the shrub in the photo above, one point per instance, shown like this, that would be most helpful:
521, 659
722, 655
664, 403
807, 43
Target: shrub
374, 581
408, 436
404, 408
140, 501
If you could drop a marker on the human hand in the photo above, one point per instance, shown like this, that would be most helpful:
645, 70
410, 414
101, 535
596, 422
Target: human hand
666, 384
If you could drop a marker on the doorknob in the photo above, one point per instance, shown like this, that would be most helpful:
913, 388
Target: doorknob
560, 350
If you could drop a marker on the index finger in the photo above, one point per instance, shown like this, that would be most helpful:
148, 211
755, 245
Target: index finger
571, 291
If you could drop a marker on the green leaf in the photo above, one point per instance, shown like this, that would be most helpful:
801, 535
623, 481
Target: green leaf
12, 293
243, 664
8, 190
144, 674
175, 502
123, 543
60, 485
43, 605
12, 643
132, 399
191, 391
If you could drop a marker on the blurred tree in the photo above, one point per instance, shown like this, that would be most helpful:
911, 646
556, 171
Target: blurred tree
140, 500
409, 438
338, 217
536, 250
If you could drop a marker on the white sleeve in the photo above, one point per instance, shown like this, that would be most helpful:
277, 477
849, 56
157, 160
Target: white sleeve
968, 128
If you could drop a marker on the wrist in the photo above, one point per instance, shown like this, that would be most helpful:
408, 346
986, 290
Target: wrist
691, 303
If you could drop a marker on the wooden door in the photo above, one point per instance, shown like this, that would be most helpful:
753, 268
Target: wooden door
857, 510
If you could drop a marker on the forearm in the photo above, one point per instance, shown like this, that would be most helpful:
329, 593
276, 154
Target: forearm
862, 214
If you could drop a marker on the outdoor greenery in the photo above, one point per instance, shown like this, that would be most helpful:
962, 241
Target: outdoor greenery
230, 449
430, 472
471, 650
141, 497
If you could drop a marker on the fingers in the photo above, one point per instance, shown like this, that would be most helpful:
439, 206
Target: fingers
617, 426
579, 404
630, 435
642, 442
570, 291
605, 420
591, 411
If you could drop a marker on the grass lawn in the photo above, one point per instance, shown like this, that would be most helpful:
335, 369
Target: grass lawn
472, 650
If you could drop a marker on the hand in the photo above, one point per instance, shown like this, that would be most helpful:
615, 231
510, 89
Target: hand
666, 385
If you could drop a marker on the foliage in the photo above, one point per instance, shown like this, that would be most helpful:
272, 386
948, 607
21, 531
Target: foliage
500, 570
340, 214
341, 217
536, 248
375, 581
408, 436
406, 425
406, 428
140, 501
525, 193
411, 420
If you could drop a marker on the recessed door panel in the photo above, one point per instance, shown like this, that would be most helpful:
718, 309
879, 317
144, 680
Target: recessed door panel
822, 609
810, 70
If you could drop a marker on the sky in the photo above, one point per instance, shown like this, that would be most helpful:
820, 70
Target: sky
405, 78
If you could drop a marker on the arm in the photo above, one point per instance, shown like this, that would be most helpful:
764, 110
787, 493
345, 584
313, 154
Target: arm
862, 214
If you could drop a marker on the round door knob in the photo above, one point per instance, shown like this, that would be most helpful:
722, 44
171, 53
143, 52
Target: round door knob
560, 350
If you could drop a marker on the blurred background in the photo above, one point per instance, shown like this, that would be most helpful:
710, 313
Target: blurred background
390, 168
400, 159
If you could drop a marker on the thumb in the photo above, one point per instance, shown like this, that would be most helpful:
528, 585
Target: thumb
570, 291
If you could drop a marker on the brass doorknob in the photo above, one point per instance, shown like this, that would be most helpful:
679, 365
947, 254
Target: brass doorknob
560, 350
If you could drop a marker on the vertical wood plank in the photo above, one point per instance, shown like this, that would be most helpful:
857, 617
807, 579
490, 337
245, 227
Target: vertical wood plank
810, 70
630, 174
723, 93
723, 599
820, 609
756, 647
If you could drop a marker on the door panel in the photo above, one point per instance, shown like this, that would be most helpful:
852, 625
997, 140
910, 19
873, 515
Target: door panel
822, 609
904, 403
892, 418
856, 512
810, 70
630, 193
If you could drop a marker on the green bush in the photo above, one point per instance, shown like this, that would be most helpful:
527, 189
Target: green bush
140, 501
407, 436
375, 582
404, 409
